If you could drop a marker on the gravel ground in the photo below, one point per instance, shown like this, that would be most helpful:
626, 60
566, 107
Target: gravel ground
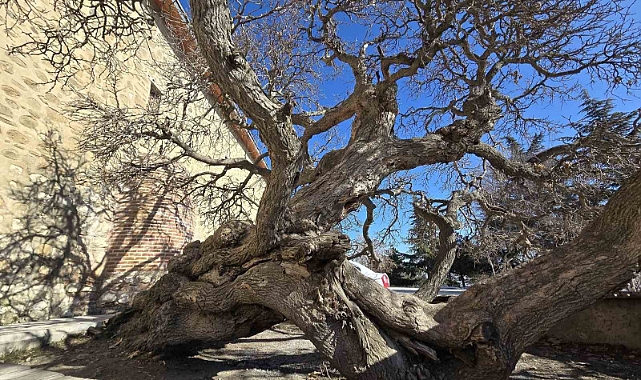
282, 353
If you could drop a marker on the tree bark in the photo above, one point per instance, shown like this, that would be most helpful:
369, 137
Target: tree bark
291, 265
444, 260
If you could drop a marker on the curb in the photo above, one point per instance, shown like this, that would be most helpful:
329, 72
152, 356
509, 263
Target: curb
26, 336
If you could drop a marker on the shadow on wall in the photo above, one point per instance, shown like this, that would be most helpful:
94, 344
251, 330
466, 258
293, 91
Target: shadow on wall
46, 269
76, 247
152, 224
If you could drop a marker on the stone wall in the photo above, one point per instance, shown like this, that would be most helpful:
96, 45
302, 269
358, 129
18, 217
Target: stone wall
68, 244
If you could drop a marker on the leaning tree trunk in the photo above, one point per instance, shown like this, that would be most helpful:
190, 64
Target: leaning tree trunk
220, 290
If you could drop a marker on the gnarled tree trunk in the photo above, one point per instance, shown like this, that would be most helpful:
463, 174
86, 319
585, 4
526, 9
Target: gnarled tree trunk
218, 291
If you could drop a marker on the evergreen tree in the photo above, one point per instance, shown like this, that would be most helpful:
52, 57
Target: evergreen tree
423, 238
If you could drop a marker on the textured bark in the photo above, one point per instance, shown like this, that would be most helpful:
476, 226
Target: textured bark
514, 310
362, 166
291, 264
442, 265
212, 27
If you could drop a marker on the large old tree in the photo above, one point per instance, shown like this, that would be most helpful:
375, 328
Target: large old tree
423, 84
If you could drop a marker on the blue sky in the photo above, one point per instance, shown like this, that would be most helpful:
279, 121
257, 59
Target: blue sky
555, 110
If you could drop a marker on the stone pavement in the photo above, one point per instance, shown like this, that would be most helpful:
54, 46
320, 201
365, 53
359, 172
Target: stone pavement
22, 372
25, 336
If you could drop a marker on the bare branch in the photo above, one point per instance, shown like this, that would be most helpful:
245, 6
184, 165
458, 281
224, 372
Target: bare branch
231, 71
512, 168
369, 246
188, 151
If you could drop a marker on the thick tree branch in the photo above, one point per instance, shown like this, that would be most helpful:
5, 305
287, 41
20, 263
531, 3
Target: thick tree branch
414, 318
369, 245
330, 118
359, 169
229, 69
509, 167
524, 304
212, 27
447, 225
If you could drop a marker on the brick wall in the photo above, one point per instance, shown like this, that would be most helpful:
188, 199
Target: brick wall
149, 228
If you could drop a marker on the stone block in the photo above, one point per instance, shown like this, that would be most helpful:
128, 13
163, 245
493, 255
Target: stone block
107, 298
27, 108
10, 154
18, 61
12, 104
43, 249
5, 111
17, 225
28, 121
17, 136
16, 169
6, 121
10, 91
72, 288
7, 67
40, 306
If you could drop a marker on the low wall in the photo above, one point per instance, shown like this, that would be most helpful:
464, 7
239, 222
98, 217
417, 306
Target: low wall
614, 320
27, 336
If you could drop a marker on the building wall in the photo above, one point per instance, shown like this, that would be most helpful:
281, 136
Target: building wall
69, 245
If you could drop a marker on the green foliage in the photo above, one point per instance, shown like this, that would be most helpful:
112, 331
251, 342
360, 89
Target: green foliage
408, 269
601, 117
536, 145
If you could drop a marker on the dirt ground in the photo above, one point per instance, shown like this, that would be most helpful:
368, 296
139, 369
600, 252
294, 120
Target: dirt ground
282, 353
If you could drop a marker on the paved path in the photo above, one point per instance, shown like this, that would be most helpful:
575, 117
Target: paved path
26, 336
22, 372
